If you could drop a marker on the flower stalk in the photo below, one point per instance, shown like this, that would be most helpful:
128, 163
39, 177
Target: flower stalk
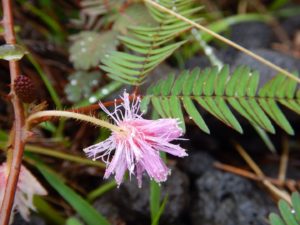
73, 115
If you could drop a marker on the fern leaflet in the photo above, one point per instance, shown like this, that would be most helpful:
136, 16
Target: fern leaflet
150, 44
289, 216
217, 92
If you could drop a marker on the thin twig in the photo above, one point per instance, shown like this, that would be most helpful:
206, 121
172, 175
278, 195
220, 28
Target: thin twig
283, 160
272, 188
245, 173
17, 149
225, 40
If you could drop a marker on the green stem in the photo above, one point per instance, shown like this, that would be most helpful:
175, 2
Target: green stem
66, 114
101, 190
48, 20
46, 81
61, 155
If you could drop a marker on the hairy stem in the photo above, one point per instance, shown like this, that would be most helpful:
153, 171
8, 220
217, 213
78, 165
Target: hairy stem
225, 40
15, 152
78, 116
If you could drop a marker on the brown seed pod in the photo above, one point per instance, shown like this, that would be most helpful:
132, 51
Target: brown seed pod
25, 89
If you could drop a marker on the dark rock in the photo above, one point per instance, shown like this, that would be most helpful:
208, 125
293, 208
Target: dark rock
33, 220
197, 137
134, 201
248, 34
108, 209
226, 199
227, 55
291, 25
197, 61
252, 34
197, 163
284, 61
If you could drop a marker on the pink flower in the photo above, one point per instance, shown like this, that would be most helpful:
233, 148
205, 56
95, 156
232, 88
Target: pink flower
28, 186
137, 146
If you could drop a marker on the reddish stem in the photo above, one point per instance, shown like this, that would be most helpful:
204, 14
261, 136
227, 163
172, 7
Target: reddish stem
17, 142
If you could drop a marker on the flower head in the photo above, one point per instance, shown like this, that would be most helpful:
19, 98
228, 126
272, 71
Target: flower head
27, 187
136, 147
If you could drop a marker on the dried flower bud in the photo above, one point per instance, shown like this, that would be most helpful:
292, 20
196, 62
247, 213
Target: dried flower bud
25, 89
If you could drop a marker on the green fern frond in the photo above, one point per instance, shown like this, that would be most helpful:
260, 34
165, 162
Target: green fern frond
289, 216
218, 91
150, 45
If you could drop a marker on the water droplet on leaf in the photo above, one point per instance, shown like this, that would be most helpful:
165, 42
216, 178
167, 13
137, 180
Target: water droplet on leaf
104, 91
92, 99
94, 82
73, 82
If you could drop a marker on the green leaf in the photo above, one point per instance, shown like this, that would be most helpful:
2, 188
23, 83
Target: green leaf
82, 207
167, 107
217, 92
286, 213
149, 40
177, 112
228, 115
296, 205
198, 86
81, 84
155, 221
265, 138
271, 108
189, 82
253, 84
47, 211
73, 221
144, 103
134, 15
194, 114
166, 88
90, 47
154, 199
289, 216
177, 87
158, 106
12, 52
209, 84
221, 81
101, 190
275, 219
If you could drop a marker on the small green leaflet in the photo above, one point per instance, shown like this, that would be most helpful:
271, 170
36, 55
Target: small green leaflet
12, 52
